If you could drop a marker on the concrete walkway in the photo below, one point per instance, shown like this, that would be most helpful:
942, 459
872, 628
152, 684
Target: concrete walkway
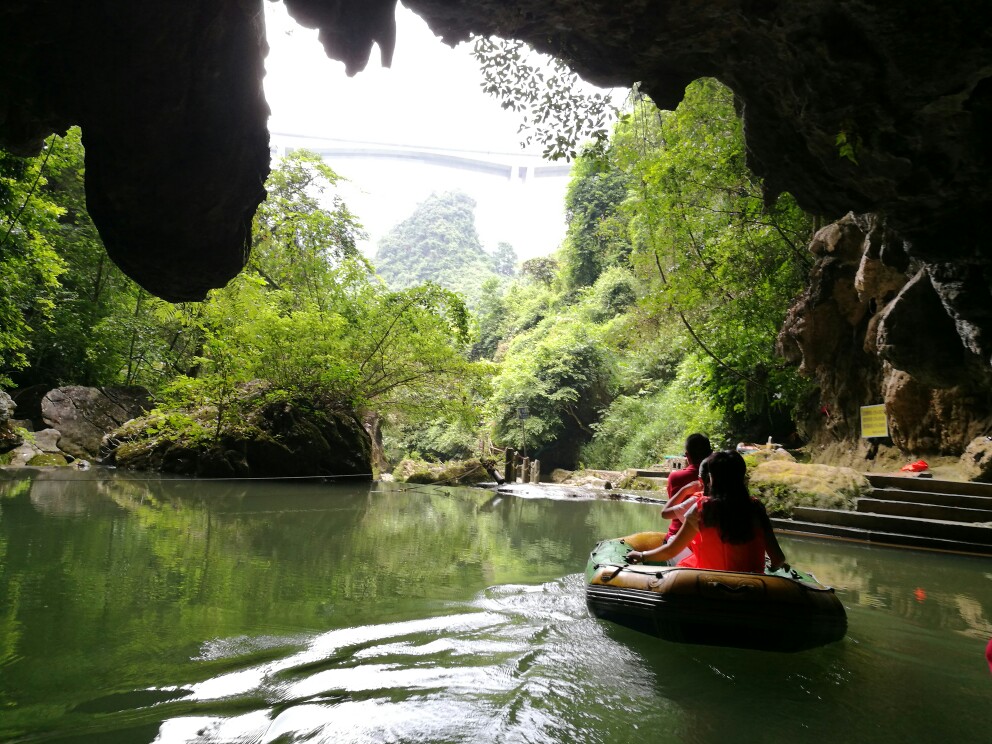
910, 512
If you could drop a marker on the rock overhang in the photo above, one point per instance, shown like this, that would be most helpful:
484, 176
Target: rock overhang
170, 100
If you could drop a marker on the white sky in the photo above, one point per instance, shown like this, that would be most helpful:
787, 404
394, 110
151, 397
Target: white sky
431, 96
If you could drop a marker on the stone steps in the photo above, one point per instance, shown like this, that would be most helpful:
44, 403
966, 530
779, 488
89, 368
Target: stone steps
930, 485
907, 511
878, 537
922, 510
957, 500
651, 473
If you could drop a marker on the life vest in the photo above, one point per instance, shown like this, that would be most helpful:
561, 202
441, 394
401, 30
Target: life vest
709, 551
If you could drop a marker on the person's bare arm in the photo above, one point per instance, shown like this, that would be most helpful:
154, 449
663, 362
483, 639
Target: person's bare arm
689, 489
681, 540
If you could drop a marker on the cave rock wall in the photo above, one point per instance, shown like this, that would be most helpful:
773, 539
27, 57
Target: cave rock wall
874, 327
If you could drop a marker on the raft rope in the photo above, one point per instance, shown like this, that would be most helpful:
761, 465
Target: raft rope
197, 479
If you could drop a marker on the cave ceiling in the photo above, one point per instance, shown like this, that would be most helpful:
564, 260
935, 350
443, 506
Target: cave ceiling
169, 97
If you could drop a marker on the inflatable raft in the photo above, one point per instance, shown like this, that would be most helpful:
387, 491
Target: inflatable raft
782, 611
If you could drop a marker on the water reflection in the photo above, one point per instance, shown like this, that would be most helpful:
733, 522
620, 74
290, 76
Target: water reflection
181, 610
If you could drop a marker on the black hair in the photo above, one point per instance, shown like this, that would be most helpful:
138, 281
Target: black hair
730, 508
698, 448
704, 475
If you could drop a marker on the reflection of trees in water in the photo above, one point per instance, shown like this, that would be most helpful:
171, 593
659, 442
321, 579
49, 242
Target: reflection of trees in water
934, 590
159, 569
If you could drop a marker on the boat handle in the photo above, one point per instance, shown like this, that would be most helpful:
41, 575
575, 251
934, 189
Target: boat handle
732, 589
615, 573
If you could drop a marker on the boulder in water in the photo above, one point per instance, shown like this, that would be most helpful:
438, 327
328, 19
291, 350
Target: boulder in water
83, 415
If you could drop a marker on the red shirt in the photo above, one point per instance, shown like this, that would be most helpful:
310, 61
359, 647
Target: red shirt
676, 480
710, 551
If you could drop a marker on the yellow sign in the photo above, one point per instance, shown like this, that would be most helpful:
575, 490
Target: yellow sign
873, 421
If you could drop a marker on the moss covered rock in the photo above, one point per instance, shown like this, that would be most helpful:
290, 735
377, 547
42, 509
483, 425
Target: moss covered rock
755, 458
271, 436
630, 482
452, 473
47, 459
783, 485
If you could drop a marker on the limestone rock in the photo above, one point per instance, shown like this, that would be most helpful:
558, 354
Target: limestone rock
976, 462
9, 437
47, 440
784, 485
286, 438
7, 407
21, 455
83, 415
901, 348
455, 472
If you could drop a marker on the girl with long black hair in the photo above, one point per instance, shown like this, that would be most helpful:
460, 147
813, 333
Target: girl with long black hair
726, 529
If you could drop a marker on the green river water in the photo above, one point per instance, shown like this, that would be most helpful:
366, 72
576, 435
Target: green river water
171, 610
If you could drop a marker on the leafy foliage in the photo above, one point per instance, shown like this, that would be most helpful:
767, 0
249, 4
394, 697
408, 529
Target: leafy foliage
658, 316
563, 377
29, 265
309, 318
597, 231
720, 263
80, 320
297, 236
642, 428
677, 274
557, 113
504, 259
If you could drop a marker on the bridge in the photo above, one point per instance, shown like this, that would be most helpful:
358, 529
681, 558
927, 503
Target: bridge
519, 167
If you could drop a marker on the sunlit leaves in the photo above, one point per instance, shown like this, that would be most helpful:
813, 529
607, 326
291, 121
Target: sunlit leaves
303, 229
562, 374
723, 265
29, 265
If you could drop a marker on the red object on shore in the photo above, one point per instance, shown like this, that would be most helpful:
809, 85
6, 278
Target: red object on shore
988, 654
915, 467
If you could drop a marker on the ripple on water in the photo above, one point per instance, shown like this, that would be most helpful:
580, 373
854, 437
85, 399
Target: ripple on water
517, 667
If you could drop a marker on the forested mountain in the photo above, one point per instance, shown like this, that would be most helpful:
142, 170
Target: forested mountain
439, 243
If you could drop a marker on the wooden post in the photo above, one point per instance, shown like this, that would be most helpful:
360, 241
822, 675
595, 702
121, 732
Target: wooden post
524, 470
535, 471
509, 463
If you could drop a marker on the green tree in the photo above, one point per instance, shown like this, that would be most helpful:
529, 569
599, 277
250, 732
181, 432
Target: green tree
721, 264
597, 228
504, 259
310, 320
304, 229
30, 267
564, 376
542, 269
89, 323
678, 274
